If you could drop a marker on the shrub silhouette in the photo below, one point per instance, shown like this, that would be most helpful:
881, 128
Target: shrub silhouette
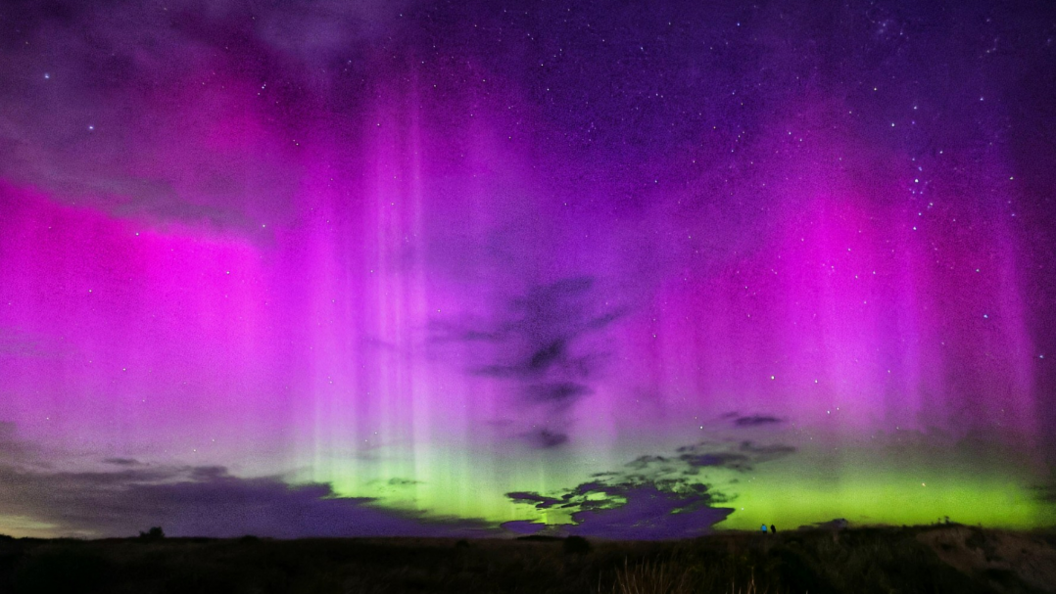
576, 544
154, 534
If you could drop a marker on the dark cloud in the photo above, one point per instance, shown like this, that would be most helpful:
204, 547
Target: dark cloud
195, 501
1046, 493
558, 394
540, 332
539, 501
546, 343
756, 420
651, 497
651, 513
546, 438
740, 456
122, 461
642, 462
834, 524
631, 510
765, 453
523, 527
728, 460
208, 502
403, 482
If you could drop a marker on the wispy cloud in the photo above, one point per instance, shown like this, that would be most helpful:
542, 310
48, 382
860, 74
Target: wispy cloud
544, 342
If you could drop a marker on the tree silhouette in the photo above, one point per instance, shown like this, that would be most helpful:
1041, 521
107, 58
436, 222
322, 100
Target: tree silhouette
154, 534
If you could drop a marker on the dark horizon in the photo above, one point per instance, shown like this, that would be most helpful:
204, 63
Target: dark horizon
601, 269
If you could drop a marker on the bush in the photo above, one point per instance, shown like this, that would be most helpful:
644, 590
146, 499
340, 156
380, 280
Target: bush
576, 545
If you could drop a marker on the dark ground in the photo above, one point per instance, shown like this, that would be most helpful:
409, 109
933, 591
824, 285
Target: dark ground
947, 558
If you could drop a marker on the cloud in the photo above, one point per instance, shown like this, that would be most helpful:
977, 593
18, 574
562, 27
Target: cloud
207, 501
651, 513
728, 460
653, 497
559, 394
195, 501
323, 30
834, 524
524, 527
538, 333
546, 342
756, 420
1046, 493
403, 482
21, 345
166, 113
765, 453
11, 448
539, 501
630, 510
122, 461
546, 438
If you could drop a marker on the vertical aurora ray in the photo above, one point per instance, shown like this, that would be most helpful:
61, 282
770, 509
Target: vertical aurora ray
487, 266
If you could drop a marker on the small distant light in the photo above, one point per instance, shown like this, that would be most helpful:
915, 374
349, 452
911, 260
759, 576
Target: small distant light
91, 127
46, 75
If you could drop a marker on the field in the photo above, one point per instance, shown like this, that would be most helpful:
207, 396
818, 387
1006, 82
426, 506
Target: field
943, 558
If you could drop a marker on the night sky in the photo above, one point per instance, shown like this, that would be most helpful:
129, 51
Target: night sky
485, 268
